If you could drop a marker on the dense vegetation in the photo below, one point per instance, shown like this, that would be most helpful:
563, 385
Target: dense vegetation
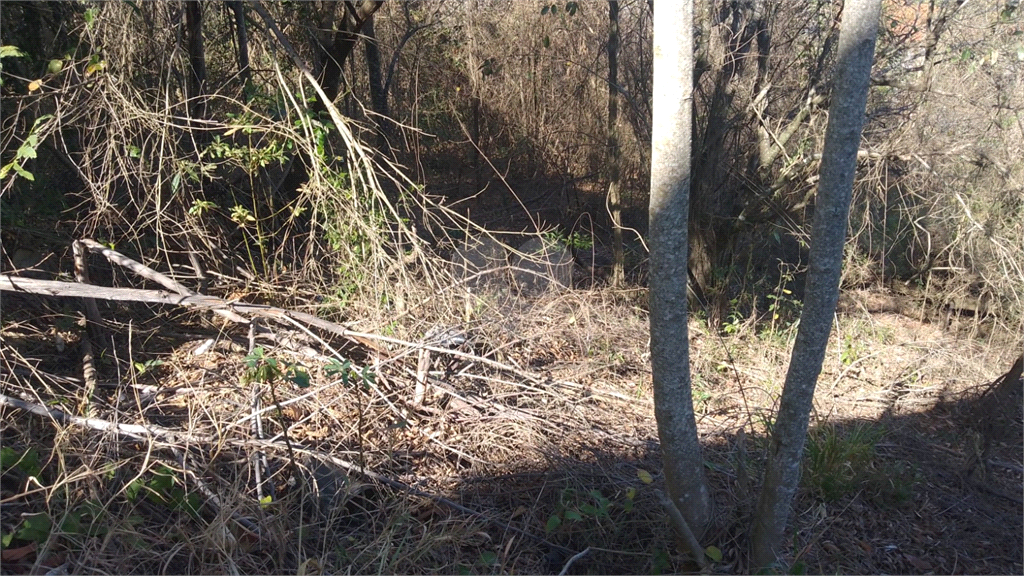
336, 158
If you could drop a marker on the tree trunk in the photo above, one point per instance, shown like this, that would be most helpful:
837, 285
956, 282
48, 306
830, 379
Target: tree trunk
356, 13
242, 35
378, 96
839, 162
196, 58
669, 206
614, 193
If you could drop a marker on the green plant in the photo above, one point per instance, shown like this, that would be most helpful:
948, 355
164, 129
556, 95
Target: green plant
147, 366
734, 321
26, 462
163, 488
265, 369
837, 459
575, 507
200, 207
852, 350
27, 150
579, 240
783, 306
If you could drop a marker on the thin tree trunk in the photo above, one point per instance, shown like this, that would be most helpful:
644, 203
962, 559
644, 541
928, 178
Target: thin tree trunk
378, 96
614, 193
669, 206
196, 58
839, 162
243, 40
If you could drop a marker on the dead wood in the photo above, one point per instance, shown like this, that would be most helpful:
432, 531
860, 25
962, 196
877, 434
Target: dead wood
55, 288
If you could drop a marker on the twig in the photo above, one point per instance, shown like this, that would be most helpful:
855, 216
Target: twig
565, 569
684, 529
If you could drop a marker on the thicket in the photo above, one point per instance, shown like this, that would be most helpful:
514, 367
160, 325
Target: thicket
141, 125
509, 98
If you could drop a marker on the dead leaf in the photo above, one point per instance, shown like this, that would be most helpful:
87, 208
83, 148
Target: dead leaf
15, 554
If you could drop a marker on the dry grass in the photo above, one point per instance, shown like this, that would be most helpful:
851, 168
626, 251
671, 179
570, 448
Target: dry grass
534, 436
545, 414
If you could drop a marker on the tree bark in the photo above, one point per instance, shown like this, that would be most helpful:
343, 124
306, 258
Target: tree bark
378, 95
614, 192
839, 162
669, 206
196, 58
356, 13
241, 33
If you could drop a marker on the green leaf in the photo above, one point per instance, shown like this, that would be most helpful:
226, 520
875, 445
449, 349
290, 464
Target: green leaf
544, 10
5, 540
27, 462
254, 357
8, 457
35, 527
588, 509
55, 66
299, 376
369, 378
11, 52
488, 558
333, 367
713, 553
266, 501
28, 149
24, 173
131, 491
553, 523
72, 523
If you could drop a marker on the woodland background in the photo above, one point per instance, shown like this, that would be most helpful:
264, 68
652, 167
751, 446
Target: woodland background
187, 137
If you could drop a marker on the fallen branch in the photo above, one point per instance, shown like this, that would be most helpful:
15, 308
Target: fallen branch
140, 269
135, 431
59, 289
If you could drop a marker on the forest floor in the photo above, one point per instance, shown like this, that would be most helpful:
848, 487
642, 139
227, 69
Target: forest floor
534, 441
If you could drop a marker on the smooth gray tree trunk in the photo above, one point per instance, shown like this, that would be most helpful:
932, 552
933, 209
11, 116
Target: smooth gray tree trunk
670, 190
832, 206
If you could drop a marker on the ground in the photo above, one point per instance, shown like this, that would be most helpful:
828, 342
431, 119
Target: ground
534, 442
